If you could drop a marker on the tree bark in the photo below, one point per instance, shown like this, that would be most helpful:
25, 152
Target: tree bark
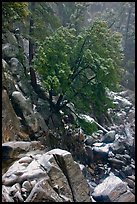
31, 46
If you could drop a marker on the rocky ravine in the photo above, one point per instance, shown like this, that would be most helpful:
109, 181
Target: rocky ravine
43, 177
33, 173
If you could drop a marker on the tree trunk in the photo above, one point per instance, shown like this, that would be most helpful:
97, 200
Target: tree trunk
127, 30
31, 46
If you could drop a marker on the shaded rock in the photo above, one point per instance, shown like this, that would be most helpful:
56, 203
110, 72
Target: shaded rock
126, 197
16, 69
27, 185
130, 183
10, 38
127, 170
14, 148
101, 153
109, 137
18, 197
90, 140
110, 189
131, 177
118, 147
9, 50
16, 187
125, 158
11, 126
116, 163
89, 155
32, 118
26, 47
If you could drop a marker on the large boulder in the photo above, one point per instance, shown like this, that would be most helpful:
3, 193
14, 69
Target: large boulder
11, 126
16, 68
112, 189
13, 150
32, 118
52, 176
109, 136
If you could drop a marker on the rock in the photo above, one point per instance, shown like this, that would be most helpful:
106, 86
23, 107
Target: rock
118, 147
116, 163
11, 126
130, 182
100, 153
43, 192
129, 137
55, 177
32, 118
16, 69
26, 46
125, 158
89, 155
9, 50
11, 151
109, 137
126, 197
10, 38
127, 170
120, 117
18, 197
71, 170
22, 101
5, 194
5, 65
131, 177
123, 102
58, 179
27, 185
110, 189
90, 140
131, 115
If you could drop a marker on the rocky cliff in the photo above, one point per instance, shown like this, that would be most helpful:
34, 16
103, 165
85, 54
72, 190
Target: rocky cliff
36, 167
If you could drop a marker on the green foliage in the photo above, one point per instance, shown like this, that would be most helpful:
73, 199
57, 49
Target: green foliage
13, 12
72, 14
45, 20
52, 60
120, 16
81, 67
87, 126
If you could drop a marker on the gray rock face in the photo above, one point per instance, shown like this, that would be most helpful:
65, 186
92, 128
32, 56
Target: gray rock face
10, 37
111, 189
53, 176
9, 50
26, 47
16, 68
109, 137
33, 119
11, 126
5, 66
